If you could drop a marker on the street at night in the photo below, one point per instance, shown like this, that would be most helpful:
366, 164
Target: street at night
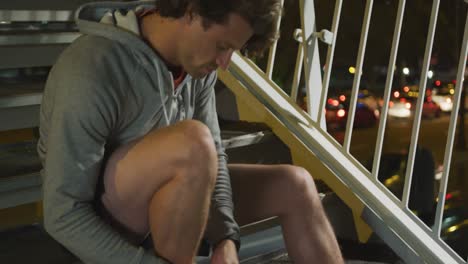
432, 135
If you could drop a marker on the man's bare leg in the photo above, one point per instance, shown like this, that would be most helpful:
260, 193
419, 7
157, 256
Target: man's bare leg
289, 192
163, 183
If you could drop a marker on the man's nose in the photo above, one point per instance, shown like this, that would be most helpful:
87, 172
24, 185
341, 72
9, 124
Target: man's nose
224, 58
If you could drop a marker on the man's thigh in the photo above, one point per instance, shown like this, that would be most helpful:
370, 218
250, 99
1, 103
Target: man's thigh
135, 171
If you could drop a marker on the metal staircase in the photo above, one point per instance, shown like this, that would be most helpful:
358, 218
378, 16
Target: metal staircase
260, 99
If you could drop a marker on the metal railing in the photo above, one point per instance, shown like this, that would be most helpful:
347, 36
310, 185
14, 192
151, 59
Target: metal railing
420, 243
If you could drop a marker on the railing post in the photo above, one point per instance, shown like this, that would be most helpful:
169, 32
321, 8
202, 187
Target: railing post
330, 56
358, 74
272, 54
299, 63
461, 71
313, 75
419, 104
388, 89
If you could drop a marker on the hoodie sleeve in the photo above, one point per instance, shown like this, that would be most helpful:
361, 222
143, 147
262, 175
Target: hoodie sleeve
221, 223
80, 116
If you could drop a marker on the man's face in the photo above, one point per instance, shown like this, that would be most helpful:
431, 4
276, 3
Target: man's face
204, 50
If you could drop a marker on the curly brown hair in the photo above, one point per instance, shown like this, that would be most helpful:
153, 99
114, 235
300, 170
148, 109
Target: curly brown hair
262, 15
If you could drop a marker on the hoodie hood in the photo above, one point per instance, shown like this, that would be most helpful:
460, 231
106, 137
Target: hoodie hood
117, 21
89, 17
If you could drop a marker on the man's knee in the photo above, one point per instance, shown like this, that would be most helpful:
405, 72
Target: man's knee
196, 138
184, 151
299, 183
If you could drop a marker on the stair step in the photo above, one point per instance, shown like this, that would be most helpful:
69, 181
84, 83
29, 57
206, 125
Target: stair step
31, 244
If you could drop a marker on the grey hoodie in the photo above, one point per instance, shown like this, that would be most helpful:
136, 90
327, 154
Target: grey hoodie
106, 89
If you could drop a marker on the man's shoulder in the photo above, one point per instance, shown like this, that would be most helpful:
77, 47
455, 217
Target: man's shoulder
94, 39
98, 47
94, 55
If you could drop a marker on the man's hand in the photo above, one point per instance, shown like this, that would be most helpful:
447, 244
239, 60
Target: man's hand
225, 253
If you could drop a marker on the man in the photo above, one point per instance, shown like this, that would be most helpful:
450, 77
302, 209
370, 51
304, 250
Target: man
130, 141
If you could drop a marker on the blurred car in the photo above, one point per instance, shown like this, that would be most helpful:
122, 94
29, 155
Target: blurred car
364, 116
399, 108
430, 108
456, 236
454, 226
367, 98
455, 209
443, 98
337, 110
404, 107
453, 215
335, 114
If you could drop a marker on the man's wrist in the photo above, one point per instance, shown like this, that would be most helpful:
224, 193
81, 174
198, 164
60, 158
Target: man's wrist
235, 238
228, 242
225, 252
